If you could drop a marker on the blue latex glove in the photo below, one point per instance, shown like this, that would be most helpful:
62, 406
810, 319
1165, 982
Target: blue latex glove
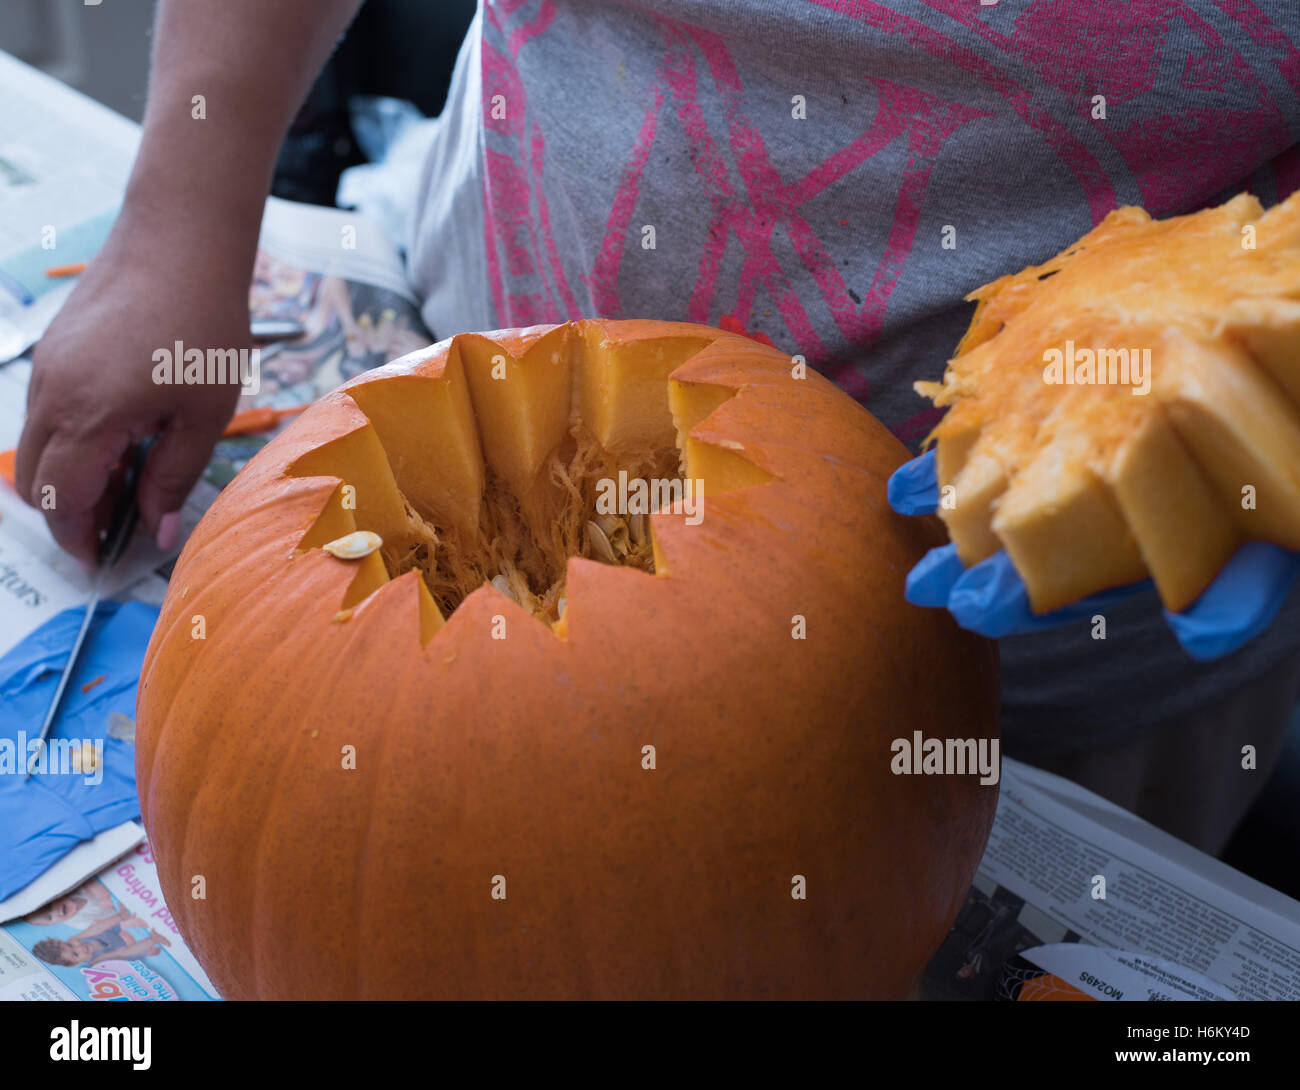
44, 818
990, 598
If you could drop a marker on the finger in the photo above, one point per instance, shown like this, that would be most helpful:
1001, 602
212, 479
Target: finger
913, 488
69, 486
1241, 602
36, 433
173, 465
991, 599
930, 583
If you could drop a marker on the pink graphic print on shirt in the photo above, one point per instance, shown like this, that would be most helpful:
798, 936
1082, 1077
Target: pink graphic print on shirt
1045, 66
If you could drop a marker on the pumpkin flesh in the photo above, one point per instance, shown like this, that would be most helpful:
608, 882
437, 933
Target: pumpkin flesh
1094, 485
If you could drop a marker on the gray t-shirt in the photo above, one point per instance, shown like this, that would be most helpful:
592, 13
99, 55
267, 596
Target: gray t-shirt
801, 163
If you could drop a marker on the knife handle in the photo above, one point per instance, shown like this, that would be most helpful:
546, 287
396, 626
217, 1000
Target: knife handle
125, 513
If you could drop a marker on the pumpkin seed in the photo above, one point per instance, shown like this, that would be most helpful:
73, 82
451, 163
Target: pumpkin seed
559, 609
503, 585
84, 758
354, 546
121, 727
599, 544
609, 525
638, 526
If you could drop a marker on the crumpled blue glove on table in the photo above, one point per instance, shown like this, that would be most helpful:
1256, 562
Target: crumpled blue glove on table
990, 598
44, 818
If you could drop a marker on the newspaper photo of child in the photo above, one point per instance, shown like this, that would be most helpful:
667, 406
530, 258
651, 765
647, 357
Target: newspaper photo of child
87, 907
104, 933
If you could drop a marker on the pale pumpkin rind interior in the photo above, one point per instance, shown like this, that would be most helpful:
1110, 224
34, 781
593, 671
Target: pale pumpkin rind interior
523, 756
1090, 486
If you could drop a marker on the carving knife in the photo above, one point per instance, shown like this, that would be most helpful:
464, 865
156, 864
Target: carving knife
111, 548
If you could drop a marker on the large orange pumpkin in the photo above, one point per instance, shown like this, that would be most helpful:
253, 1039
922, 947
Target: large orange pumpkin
390, 777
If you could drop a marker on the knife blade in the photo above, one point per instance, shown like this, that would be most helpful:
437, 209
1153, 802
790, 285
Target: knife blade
111, 548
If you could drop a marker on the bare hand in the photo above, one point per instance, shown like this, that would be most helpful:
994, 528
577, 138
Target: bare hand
93, 392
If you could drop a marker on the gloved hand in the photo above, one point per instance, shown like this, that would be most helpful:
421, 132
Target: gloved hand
45, 817
990, 598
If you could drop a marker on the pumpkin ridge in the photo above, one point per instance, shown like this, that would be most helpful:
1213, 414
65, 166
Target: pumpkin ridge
165, 631
200, 754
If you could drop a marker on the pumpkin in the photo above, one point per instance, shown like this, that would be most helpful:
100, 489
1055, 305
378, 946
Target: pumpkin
421, 720
1132, 406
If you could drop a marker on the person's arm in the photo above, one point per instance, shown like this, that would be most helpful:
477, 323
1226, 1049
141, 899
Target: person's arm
176, 266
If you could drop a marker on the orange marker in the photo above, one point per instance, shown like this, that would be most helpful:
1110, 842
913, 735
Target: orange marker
66, 270
251, 421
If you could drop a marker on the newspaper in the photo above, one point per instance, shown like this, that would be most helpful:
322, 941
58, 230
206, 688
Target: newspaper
1077, 898
110, 938
64, 161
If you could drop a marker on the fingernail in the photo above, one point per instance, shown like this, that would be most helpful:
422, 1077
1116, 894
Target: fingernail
169, 531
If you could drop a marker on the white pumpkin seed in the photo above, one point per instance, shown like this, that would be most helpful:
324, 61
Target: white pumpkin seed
503, 585
638, 526
559, 609
599, 544
609, 525
84, 758
354, 546
121, 727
